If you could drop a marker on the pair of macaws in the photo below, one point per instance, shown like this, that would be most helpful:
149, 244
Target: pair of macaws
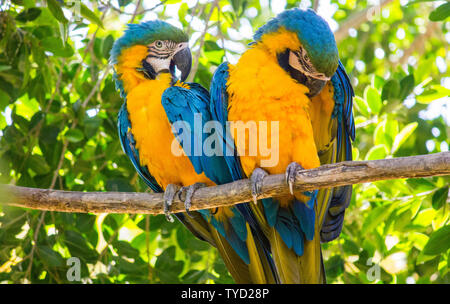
291, 74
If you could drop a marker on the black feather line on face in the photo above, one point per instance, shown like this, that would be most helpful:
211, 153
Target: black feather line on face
283, 61
148, 70
172, 72
314, 85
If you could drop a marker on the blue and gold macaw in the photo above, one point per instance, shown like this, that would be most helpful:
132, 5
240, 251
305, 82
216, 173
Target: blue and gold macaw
291, 75
146, 59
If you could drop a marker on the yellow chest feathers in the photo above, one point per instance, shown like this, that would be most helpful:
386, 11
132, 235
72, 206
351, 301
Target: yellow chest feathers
261, 91
154, 138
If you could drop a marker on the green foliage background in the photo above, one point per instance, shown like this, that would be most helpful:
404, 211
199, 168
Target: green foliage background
58, 130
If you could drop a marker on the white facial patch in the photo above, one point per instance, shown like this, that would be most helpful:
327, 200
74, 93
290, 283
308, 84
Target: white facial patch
301, 62
159, 64
161, 53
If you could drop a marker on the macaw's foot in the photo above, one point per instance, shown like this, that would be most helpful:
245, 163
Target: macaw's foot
169, 195
189, 191
291, 172
257, 178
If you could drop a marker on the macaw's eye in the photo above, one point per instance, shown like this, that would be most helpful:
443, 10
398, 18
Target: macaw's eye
159, 44
306, 57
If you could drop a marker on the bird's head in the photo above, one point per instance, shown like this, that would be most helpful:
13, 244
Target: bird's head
152, 48
304, 46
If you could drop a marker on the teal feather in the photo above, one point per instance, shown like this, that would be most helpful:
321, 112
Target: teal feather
271, 210
145, 33
238, 223
313, 33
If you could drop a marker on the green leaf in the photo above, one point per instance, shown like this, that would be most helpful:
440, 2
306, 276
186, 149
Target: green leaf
38, 164
350, 247
118, 185
56, 11
377, 152
107, 45
390, 130
420, 184
425, 217
440, 198
441, 12
402, 220
379, 136
166, 262
193, 276
56, 46
373, 99
182, 12
406, 86
78, 246
91, 125
362, 106
74, 135
123, 3
4, 68
403, 136
334, 266
63, 32
435, 92
2, 122
391, 90
90, 15
126, 267
439, 241
4, 100
125, 249
378, 82
377, 216
29, 14
50, 257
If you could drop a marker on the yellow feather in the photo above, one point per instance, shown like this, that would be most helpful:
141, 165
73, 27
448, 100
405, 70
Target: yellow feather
255, 267
260, 90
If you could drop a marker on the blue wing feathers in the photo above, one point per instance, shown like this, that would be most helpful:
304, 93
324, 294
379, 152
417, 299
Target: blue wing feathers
343, 97
185, 105
270, 210
306, 217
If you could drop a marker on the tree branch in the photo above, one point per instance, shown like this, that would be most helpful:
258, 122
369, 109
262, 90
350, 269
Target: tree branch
333, 175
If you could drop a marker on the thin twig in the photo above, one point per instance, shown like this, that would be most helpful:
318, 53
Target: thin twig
33, 248
316, 5
122, 12
188, 29
202, 41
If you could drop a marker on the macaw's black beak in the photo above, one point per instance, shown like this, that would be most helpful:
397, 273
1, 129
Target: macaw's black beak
315, 86
183, 62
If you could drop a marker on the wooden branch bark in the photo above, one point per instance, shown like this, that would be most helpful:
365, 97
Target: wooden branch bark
345, 173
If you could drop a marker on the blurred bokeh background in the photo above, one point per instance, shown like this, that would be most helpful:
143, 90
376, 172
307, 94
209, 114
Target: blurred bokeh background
58, 110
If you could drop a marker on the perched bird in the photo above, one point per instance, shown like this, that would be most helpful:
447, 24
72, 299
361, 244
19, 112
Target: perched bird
161, 116
290, 90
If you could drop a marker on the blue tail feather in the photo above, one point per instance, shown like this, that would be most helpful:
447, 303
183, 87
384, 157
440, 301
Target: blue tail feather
294, 224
